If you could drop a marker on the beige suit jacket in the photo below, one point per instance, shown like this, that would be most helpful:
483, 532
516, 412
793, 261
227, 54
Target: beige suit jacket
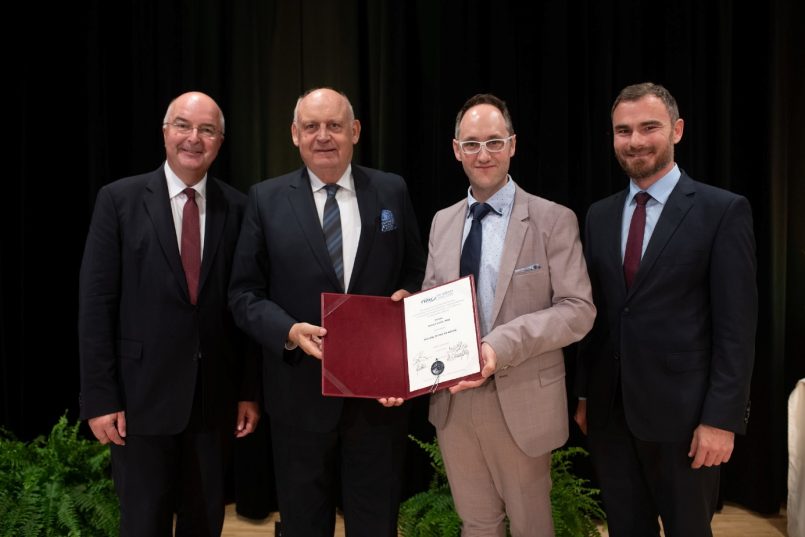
543, 302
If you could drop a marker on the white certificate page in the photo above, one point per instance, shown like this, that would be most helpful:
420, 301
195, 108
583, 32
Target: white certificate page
441, 335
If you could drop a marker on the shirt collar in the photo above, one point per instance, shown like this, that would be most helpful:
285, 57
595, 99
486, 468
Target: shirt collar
661, 189
346, 182
176, 186
501, 201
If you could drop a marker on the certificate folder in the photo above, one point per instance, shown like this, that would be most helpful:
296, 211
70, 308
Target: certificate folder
376, 348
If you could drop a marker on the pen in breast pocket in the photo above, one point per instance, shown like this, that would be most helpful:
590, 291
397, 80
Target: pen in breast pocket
528, 268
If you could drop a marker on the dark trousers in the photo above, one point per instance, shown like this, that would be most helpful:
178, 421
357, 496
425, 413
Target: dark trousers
157, 476
643, 480
366, 451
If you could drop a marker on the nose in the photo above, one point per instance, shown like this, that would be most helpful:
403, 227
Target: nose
323, 134
484, 154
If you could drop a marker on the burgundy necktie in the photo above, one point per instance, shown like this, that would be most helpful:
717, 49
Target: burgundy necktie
191, 244
634, 241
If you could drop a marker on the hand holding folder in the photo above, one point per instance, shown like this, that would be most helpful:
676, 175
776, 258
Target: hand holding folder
377, 348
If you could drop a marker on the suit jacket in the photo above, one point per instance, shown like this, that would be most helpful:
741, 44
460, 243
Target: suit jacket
680, 342
542, 303
282, 266
141, 340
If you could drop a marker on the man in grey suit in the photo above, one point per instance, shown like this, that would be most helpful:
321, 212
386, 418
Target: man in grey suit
664, 374
534, 297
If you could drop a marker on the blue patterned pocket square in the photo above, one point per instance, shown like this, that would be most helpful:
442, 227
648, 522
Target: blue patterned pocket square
387, 221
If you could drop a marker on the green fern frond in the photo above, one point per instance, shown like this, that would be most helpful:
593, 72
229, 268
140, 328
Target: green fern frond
57, 485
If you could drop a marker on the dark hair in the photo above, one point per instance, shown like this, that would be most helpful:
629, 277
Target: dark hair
485, 98
635, 92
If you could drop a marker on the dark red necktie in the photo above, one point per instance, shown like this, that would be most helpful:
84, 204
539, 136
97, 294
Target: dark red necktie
191, 244
634, 241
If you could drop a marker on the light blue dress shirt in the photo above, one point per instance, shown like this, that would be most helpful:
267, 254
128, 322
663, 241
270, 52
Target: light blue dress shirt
493, 233
659, 193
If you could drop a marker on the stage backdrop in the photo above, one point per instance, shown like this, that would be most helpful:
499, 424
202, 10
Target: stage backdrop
90, 82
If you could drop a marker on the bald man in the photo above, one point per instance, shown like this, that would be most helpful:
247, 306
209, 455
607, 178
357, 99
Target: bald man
167, 379
282, 265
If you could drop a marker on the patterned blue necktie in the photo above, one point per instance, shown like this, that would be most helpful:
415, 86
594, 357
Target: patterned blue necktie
331, 225
471, 252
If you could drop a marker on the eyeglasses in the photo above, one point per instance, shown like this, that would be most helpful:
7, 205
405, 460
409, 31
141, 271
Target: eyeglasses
495, 145
204, 131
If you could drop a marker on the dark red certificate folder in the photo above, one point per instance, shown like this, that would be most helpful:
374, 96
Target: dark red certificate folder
364, 351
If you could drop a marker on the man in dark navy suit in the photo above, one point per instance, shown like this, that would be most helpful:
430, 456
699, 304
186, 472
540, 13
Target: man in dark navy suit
286, 257
166, 377
665, 372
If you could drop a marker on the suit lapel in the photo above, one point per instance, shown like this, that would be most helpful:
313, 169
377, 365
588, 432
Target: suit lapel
368, 207
679, 203
217, 209
157, 205
450, 259
512, 246
613, 228
302, 206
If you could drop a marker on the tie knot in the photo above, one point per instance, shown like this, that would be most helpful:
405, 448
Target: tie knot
479, 210
190, 193
331, 190
642, 198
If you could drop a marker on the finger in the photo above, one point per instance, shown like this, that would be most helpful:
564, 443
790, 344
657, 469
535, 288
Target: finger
121, 423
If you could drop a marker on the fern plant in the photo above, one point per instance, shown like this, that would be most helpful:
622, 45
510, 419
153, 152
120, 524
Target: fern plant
574, 504
57, 485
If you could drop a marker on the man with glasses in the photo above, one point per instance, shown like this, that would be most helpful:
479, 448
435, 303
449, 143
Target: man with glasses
167, 379
330, 226
534, 297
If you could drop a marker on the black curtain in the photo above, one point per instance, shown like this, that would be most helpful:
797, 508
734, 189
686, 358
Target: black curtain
90, 83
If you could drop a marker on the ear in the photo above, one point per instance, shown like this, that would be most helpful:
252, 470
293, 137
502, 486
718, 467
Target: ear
457, 150
679, 126
512, 144
356, 131
295, 134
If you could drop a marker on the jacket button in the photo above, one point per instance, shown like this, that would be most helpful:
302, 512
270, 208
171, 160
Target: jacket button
626, 310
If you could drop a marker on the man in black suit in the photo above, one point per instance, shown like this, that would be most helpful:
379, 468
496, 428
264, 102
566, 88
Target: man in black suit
666, 369
166, 376
282, 265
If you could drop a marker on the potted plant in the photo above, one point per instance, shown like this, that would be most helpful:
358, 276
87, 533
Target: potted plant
57, 485
574, 503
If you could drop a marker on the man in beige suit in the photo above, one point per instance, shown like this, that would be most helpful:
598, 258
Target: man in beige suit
534, 297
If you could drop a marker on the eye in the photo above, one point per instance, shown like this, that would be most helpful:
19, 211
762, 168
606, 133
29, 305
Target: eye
495, 145
182, 126
310, 127
335, 127
207, 131
471, 146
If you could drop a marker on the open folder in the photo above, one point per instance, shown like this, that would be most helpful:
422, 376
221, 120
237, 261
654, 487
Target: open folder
375, 347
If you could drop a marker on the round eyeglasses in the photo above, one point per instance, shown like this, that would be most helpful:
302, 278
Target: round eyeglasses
204, 131
495, 145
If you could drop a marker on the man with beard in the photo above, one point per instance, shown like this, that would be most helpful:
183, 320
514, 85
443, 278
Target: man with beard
664, 374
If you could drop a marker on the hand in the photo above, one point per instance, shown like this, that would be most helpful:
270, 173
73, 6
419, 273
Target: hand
248, 416
389, 402
490, 360
710, 446
109, 428
580, 417
399, 294
308, 338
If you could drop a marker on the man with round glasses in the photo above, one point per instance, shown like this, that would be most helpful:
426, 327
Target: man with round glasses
167, 379
534, 297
